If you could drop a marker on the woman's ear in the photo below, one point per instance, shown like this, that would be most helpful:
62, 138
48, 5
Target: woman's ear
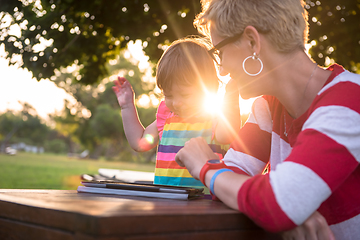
252, 36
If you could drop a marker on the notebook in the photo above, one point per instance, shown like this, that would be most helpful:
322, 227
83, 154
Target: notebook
114, 187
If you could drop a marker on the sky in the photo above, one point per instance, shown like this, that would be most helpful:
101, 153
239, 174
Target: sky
18, 85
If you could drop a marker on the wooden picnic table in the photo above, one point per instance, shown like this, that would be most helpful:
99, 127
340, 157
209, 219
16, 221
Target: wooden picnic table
68, 215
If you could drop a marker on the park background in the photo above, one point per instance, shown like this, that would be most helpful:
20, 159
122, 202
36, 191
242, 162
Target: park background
58, 60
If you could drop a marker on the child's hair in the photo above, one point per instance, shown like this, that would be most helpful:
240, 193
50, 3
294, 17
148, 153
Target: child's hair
283, 21
187, 62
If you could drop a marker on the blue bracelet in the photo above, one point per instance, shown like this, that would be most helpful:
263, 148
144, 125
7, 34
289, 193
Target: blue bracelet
212, 181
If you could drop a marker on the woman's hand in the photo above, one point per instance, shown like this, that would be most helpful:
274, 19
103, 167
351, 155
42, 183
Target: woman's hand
194, 155
124, 92
314, 228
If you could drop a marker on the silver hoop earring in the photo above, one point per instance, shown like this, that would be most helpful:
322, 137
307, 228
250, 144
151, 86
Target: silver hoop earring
254, 57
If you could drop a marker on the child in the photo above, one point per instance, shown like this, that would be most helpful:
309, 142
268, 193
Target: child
185, 74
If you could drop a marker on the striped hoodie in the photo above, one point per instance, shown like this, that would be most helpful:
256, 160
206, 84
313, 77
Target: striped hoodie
314, 168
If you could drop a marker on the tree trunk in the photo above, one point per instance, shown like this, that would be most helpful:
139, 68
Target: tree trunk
7, 138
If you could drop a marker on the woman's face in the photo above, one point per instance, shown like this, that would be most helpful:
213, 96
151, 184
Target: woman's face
229, 58
232, 57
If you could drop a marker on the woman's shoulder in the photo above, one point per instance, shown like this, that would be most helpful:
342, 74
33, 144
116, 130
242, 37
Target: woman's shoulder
267, 104
262, 112
340, 78
339, 96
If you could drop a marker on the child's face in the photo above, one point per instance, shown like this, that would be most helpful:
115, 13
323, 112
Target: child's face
185, 101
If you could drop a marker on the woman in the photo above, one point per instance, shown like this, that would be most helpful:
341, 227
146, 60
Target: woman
305, 125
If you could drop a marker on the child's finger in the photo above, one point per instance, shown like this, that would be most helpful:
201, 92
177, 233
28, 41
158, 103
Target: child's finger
117, 83
121, 80
115, 89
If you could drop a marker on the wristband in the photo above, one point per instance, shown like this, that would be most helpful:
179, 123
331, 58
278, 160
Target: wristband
210, 164
212, 181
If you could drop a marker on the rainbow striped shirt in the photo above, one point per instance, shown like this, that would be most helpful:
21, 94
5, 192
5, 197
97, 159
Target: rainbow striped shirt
174, 132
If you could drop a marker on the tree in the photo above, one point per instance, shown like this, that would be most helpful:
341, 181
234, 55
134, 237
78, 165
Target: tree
90, 33
94, 119
9, 125
107, 128
335, 28
25, 125
66, 125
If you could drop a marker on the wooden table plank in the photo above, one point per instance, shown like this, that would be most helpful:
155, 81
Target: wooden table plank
15, 230
93, 216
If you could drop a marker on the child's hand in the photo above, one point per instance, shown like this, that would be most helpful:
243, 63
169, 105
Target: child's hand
194, 155
124, 92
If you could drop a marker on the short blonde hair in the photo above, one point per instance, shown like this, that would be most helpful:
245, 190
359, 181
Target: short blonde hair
285, 22
187, 62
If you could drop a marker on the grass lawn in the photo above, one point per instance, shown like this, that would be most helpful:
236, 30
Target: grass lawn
46, 171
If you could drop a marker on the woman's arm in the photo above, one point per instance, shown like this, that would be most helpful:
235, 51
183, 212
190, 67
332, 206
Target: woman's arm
250, 151
289, 195
227, 185
140, 139
229, 122
194, 155
315, 227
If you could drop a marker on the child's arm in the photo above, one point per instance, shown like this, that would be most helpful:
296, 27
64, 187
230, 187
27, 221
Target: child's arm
140, 139
229, 124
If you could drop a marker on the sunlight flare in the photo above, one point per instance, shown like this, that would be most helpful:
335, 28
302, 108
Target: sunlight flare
147, 142
213, 103
149, 138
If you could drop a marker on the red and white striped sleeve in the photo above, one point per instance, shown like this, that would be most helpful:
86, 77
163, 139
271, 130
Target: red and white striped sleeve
250, 152
323, 160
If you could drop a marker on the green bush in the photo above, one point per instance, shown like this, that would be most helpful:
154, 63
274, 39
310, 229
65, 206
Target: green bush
56, 146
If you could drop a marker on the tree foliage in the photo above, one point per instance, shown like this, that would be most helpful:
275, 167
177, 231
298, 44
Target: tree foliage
22, 126
335, 27
90, 33
94, 118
